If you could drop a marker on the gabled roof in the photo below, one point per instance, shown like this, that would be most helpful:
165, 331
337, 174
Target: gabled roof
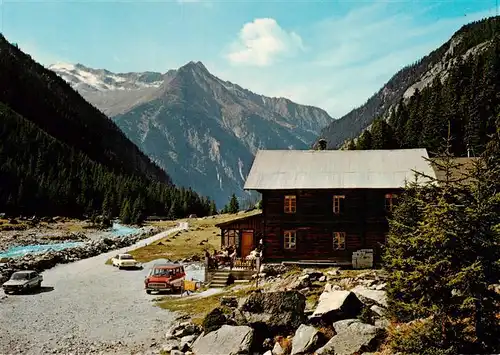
257, 215
336, 169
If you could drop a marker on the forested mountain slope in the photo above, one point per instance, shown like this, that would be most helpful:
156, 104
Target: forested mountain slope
458, 55
60, 155
465, 98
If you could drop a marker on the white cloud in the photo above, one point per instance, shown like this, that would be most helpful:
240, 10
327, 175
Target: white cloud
349, 57
263, 42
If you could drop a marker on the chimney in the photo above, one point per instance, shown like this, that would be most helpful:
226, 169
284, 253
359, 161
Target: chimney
322, 144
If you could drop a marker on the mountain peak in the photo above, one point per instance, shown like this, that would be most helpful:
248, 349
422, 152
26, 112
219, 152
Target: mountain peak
192, 65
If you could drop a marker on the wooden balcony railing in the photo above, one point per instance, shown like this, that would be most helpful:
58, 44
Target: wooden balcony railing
225, 263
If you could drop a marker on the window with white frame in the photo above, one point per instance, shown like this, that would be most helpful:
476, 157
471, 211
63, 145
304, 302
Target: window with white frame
290, 204
338, 203
290, 240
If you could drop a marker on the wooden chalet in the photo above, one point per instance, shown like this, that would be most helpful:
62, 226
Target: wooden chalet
323, 205
242, 233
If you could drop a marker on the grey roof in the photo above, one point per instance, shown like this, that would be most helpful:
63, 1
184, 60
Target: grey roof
330, 169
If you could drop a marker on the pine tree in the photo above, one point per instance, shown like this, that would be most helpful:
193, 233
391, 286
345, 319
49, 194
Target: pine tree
482, 255
382, 135
126, 213
106, 206
173, 212
364, 141
442, 255
213, 209
138, 211
234, 206
351, 145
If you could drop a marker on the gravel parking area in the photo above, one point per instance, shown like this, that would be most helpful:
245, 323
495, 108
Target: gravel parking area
84, 307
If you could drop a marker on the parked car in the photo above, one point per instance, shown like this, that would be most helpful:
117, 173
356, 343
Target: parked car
123, 261
22, 281
165, 277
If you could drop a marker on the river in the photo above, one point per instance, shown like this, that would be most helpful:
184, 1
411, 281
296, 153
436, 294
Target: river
117, 230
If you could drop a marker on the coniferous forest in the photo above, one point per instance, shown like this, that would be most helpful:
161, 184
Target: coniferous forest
61, 156
468, 98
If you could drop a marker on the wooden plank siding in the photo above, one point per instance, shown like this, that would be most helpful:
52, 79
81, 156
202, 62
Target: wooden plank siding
251, 223
363, 219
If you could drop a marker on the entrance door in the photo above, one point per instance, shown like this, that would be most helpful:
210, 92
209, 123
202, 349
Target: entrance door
246, 243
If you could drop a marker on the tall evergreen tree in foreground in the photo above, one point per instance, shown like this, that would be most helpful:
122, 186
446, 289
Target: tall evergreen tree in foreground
443, 255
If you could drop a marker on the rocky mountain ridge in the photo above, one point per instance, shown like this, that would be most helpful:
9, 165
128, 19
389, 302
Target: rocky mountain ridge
470, 40
202, 130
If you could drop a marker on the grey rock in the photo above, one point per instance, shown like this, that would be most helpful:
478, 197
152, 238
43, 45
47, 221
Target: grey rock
176, 352
358, 337
187, 341
382, 323
370, 297
304, 340
342, 325
228, 340
281, 312
337, 304
379, 311
170, 345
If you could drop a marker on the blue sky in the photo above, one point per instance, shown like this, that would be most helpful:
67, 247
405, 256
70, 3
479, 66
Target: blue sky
331, 54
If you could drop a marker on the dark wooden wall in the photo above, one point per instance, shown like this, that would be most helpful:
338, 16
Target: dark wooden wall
363, 219
253, 223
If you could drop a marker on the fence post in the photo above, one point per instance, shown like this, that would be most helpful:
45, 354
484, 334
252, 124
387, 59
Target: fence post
257, 264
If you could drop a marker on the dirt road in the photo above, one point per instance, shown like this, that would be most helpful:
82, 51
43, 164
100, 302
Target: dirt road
84, 307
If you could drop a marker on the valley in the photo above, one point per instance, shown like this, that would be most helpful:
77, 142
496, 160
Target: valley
332, 252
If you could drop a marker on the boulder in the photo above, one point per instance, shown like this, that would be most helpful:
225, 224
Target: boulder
342, 325
172, 344
355, 339
214, 320
370, 297
227, 340
185, 329
187, 341
299, 283
337, 305
279, 312
274, 269
379, 311
305, 339
382, 323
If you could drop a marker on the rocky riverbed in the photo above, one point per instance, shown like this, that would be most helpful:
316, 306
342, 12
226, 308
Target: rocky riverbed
85, 306
23, 232
47, 260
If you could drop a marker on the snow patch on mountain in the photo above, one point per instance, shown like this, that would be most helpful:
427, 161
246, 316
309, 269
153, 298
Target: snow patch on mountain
83, 78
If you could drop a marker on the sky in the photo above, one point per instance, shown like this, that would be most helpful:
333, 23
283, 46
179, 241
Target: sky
327, 53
